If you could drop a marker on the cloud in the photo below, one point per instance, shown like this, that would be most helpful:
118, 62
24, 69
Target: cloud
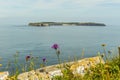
25, 7
46, 4
87, 3
114, 1
52, 4
14, 8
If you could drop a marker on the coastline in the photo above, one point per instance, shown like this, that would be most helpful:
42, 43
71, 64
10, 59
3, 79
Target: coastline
48, 72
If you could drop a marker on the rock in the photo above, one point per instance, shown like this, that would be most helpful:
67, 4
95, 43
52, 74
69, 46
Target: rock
55, 73
47, 73
33, 75
4, 75
81, 66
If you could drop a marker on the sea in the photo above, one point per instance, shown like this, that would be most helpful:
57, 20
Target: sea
75, 42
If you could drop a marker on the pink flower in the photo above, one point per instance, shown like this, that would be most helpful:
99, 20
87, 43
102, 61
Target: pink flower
44, 59
27, 58
55, 46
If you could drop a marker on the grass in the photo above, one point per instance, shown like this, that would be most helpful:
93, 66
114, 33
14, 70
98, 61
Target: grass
107, 71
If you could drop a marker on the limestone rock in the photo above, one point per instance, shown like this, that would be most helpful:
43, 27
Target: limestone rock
82, 65
47, 73
4, 75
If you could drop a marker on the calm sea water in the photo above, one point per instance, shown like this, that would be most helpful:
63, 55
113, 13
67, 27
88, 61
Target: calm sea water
71, 39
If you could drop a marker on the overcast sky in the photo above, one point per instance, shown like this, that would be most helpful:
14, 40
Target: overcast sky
59, 10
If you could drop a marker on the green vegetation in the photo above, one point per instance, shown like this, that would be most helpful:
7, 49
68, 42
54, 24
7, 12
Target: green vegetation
108, 71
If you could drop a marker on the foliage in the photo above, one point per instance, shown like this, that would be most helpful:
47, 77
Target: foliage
107, 71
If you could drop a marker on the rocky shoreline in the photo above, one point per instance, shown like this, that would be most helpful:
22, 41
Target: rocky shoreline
43, 24
48, 72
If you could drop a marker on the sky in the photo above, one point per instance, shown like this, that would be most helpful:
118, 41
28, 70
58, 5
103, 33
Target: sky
25, 11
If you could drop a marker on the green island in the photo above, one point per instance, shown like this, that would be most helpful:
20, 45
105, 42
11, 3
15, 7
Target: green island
42, 24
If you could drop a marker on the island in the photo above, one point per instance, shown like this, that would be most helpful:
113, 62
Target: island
42, 24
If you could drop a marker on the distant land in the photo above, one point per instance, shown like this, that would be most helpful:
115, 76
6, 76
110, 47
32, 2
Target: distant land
42, 24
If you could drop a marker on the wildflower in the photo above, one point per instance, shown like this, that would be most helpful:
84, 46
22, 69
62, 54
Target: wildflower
44, 59
0, 65
107, 66
27, 58
102, 55
103, 45
55, 46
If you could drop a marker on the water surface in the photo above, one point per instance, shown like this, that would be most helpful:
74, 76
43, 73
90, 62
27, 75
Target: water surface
71, 39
